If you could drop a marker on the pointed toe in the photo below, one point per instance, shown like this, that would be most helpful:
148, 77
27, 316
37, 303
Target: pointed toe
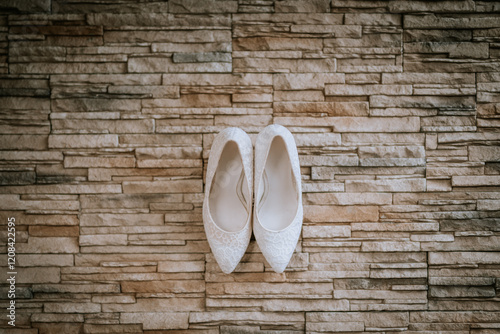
278, 212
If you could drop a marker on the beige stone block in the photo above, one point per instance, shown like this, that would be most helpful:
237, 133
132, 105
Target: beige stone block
348, 198
164, 64
23, 142
261, 120
446, 123
320, 213
72, 307
276, 43
457, 22
374, 19
44, 260
252, 98
52, 328
433, 237
210, 6
356, 124
102, 126
258, 288
438, 185
383, 138
488, 205
209, 79
13, 202
361, 90
148, 304
55, 317
24, 103
160, 140
298, 305
49, 219
314, 6
380, 294
330, 108
111, 219
465, 243
167, 36
292, 18
149, 19
369, 319
157, 320
45, 245
168, 152
379, 257
384, 101
427, 78
111, 327
467, 257
119, 299
465, 137
391, 152
284, 65
76, 288
170, 163
351, 31
484, 153
34, 275
453, 317
390, 246
328, 160
453, 49
64, 189
462, 291
186, 286
31, 155
389, 185
99, 161
303, 96
338, 326
116, 79
317, 139
190, 101
475, 181
176, 266
48, 68
54, 231
95, 240
173, 186
82, 141
467, 281
342, 231
260, 318
388, 273
304, 81
315, 187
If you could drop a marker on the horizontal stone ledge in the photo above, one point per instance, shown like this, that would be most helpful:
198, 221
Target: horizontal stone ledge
173, 186
475, 181
356, 124
319, 213
330, 108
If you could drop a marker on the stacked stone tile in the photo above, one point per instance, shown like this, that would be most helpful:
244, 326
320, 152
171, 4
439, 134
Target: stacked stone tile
108, 114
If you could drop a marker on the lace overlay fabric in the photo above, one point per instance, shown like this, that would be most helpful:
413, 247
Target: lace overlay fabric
228, 247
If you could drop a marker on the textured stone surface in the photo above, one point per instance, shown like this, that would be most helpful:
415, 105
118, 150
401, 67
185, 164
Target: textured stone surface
109, 111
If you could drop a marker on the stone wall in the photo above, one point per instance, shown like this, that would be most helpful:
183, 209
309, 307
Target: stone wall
108, 112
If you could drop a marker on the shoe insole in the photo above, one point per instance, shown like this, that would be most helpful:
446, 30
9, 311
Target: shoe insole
229, 193
278, 203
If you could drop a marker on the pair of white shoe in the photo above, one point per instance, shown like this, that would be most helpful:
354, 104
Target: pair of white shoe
227, 207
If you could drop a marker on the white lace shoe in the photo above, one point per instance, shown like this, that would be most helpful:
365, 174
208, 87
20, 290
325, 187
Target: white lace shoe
278, 212
227, 206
